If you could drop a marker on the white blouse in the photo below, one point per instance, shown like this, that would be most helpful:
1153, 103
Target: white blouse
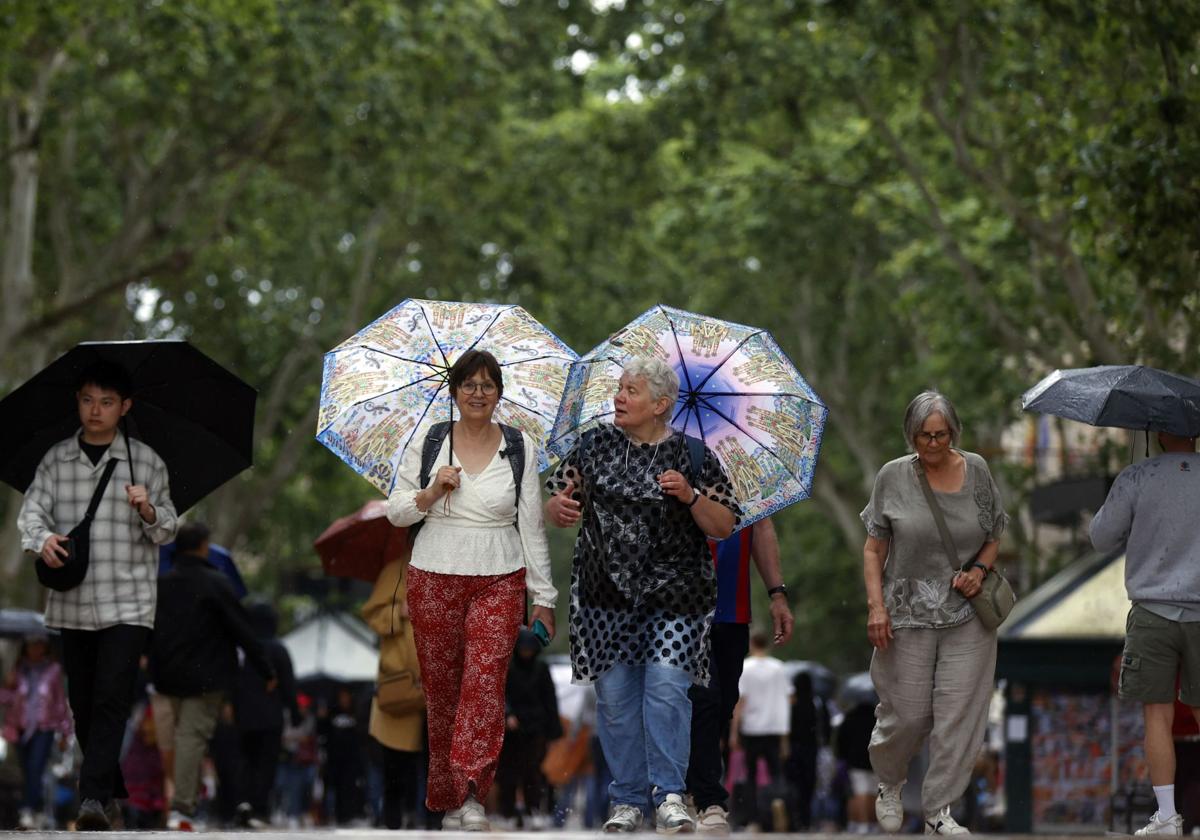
477, 536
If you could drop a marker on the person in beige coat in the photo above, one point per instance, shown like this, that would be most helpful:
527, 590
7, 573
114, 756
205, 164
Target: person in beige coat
398, 710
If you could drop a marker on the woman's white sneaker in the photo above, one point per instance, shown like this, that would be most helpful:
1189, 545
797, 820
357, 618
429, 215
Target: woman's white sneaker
473, 816
889, 810
713, 820
943, 823
625, 819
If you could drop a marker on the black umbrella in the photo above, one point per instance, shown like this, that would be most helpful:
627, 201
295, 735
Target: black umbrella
1124, 396
196, 415
824, 681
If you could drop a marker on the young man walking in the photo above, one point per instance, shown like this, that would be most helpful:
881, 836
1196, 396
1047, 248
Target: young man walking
1151, 513
712, 705
194, 661
106, 620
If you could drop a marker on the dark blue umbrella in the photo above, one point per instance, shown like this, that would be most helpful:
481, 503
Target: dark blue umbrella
1124, 396
219, 558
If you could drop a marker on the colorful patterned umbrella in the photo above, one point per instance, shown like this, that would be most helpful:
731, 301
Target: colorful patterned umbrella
383, 388
739, 393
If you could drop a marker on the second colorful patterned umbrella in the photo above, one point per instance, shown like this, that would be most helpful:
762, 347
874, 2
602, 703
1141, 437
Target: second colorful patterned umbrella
739, 393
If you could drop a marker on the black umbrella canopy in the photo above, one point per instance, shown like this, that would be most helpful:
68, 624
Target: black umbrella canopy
1123, 396
194, 413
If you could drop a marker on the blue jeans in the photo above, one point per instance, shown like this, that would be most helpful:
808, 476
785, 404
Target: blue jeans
644, 719
34, 754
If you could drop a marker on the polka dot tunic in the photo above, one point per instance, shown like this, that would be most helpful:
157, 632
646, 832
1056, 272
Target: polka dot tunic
643, 586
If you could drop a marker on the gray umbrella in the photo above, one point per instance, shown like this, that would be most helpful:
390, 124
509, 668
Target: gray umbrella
1124, 396
824, 681
18, 622
858, 689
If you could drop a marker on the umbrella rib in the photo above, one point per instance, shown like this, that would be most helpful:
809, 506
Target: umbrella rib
385, 394
417, 425
391, 355
484, 331
527, 408
735, 425
679, 350
593, 420
538, 359
433, 335
729, 356
703, 394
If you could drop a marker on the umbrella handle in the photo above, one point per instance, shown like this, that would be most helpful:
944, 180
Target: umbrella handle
128, 449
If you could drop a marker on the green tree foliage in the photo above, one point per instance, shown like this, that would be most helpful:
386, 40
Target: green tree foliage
962, 195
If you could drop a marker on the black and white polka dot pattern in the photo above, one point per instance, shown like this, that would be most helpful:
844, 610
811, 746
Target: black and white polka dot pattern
643, 586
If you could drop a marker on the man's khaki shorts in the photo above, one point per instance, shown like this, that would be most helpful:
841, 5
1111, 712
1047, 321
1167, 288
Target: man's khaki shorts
1156, 651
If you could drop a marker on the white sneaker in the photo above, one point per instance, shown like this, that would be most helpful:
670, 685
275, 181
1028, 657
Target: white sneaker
25, 820
1172, 825
671, 817
179, 821
624, 819
473, 817
452, 819
889, 810
943, 823
713, 820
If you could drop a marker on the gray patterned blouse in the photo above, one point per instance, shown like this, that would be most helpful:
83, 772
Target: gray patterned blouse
917, 574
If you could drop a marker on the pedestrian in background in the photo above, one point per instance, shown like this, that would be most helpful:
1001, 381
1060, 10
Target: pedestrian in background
36, 716
532, 722
762, 718
729, 642
194, 662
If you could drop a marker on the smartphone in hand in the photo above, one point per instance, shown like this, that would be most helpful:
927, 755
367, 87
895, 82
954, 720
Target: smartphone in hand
539, 630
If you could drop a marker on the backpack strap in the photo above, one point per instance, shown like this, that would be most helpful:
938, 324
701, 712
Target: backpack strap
514, 451
695, 449
430, 449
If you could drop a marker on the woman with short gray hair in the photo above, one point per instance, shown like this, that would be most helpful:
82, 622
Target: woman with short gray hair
934, 660
643, 586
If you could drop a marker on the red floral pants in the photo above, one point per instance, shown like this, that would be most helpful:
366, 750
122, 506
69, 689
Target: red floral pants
465, 627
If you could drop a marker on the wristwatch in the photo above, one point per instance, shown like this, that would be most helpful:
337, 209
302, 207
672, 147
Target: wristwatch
695, 497
781, 589
984, 566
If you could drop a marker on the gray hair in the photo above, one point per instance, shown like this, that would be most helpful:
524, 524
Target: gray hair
924, 405
661, 378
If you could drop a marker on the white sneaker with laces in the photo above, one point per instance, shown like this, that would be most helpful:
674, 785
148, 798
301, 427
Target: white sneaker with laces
1171, 826
943, 823
713, 820
889, 810
452, 819
671, 817
473, 816
625, 819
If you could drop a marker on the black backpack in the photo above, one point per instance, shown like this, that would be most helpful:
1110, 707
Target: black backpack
514, 452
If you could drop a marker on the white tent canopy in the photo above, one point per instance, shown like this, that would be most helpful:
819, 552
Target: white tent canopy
1086, 601
334, 646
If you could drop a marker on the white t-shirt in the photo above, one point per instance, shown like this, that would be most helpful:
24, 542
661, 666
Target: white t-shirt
766, 697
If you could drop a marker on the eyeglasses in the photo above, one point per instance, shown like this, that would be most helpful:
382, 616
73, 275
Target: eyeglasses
932, 437
485, 388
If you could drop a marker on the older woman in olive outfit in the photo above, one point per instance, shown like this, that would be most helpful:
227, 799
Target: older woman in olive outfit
643, 587
934, 661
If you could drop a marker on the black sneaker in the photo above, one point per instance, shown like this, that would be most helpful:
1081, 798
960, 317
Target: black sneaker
92, 817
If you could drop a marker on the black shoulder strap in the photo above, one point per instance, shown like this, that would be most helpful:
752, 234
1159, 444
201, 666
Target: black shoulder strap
98, 494
695, 448
431, 448
514, 446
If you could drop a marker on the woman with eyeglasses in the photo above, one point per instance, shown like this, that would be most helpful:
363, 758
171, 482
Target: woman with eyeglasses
481, 547
643, 587
934, 662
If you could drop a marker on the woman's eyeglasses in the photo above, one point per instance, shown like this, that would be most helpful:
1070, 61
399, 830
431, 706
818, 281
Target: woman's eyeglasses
485, 388
932, 437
